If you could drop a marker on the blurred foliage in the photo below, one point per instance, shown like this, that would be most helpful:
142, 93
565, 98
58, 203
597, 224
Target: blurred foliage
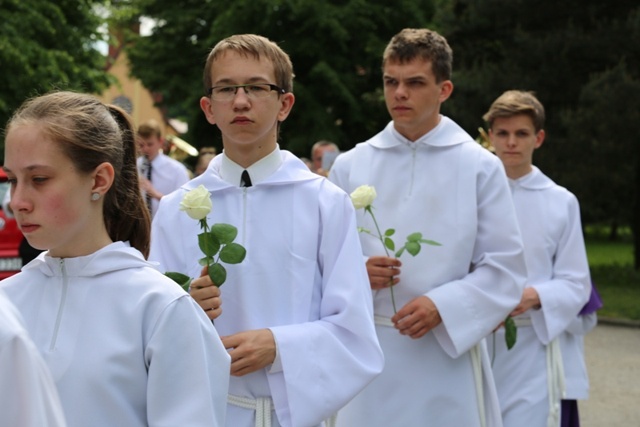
335, 46
47, 45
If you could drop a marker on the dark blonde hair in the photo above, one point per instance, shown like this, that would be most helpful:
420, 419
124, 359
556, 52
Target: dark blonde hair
150, 128
252, 45
91, 133
515, 102
412, 43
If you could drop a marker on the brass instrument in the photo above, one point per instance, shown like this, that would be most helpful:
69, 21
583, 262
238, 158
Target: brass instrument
180, 149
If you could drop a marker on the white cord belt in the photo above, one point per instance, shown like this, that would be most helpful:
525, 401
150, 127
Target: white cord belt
383, 321
555, 382
263, 407
476, 364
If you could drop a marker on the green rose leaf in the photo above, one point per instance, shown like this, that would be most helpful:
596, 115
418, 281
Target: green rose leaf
430, 242
510, 332
414, 237
180, 279
389, 244
413, 248
204, 261
209, 244
225, 233
390, 232
217, 273
400, 252
233, 253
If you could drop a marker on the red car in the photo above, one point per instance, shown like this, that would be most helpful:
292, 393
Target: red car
10, 237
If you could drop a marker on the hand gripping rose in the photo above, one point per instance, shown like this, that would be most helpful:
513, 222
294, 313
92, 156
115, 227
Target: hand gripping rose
217, 240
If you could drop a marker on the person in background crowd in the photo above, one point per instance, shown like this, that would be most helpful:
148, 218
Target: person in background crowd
159, 173
125, 345
431, 177
205, 156
323, 153
530, 377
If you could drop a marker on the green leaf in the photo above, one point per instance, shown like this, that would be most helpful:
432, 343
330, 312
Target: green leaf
390, 232
217, 273
414, 237
181, 279
233, 253
225, 233
400, 252
430, 242
413, 248
510, 332
209, 244
204, 261
389, 244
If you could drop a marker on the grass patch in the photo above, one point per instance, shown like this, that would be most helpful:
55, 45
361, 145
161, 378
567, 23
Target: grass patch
611, 265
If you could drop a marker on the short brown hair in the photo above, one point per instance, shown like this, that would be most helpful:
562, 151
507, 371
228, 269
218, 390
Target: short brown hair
150, 128
412, 43
514, 102
252, 45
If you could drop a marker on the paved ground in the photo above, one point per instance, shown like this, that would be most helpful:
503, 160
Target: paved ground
613, 361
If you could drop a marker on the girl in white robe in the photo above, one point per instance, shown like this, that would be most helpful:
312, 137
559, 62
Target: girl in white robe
126, 346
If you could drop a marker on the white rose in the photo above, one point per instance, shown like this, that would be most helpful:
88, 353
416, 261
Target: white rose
197, 203
363, 196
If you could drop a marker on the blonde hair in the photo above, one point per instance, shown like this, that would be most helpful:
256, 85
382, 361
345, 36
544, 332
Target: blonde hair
515, 102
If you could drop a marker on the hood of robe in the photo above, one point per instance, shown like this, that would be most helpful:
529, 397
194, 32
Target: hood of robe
446, 133
113, 257
534, 180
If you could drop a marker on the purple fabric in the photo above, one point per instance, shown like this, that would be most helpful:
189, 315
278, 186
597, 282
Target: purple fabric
569, 414
594, 303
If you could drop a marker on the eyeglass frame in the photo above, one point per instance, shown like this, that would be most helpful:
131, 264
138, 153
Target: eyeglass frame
272, 87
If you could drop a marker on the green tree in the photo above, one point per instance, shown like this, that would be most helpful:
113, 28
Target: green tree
559, 50
335, 46
47, 45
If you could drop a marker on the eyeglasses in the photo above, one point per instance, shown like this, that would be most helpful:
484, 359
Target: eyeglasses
253, 91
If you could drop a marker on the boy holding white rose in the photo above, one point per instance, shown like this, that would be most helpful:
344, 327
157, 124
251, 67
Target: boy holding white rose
297, 317
431, 179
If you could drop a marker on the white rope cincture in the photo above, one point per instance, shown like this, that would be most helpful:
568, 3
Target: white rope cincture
556, 386
476, 364
383, 321
262, 405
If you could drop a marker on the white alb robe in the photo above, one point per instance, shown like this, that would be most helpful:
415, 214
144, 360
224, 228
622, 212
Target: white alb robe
28, 396
126, 346
303, 278
455, 192
549, 218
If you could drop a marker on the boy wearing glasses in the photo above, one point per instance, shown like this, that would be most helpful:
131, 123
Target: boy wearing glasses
431, 177
297, 311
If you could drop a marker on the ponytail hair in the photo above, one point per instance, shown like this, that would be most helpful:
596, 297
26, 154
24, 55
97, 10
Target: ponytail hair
91, 133
127, 216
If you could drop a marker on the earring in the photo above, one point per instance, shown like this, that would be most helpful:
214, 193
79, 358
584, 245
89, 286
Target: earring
95, 196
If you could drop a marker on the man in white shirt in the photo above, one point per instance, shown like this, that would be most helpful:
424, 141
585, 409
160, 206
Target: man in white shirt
159, 174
